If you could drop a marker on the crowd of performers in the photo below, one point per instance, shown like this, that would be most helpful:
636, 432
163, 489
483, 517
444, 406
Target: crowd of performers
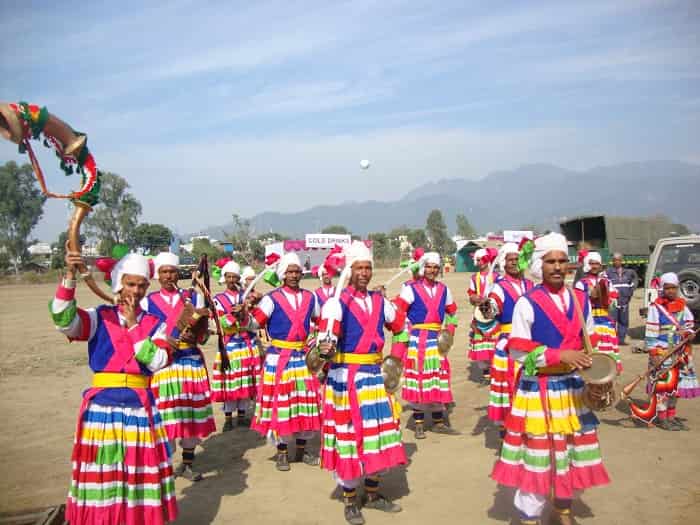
151, 387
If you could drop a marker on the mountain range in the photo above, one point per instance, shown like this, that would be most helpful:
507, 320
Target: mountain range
535, 194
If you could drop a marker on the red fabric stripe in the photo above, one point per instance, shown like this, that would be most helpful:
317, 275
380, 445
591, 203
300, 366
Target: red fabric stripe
521, 345
65, 294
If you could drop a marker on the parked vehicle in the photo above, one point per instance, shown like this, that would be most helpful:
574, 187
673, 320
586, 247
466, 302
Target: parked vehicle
188, 264
634, 237
680, 255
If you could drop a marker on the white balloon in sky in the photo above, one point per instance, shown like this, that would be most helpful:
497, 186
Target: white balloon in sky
364, 164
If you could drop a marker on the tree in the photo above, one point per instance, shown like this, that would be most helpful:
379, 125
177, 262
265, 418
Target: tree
257, 250
464, 227
337, 229
151, 237
680, 229
115, 221
241, 236
417, 238
385, 248
21, 207
202, 246
437, 234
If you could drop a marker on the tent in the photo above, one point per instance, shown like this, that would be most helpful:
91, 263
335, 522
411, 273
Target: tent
313, 249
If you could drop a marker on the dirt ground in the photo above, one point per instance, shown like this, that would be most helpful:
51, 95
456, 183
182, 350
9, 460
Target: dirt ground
654, 473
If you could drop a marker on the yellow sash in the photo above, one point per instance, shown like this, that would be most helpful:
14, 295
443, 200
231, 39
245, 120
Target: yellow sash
116, 380
505, 328
599, 312
287, 345
427, 326
357, 359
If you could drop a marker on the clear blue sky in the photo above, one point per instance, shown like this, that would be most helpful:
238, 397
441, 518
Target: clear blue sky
271, 105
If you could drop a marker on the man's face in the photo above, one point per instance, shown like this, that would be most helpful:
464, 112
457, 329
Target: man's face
232, 280
511, 265
554, 266
292, 276
326, 280
596, 267
361, 275
617, 262
134, 286
670, 291
167, 277
431, 271
483, 266
249, 280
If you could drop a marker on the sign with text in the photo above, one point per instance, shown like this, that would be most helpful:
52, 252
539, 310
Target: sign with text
517, 235
326, 240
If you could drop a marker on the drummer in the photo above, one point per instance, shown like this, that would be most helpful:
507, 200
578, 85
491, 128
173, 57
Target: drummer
427, 386
603, 296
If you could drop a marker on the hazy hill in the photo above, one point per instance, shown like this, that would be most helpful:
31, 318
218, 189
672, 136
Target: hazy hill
537, 194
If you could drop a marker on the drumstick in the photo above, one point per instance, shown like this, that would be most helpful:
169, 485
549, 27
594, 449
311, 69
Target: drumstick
587, 346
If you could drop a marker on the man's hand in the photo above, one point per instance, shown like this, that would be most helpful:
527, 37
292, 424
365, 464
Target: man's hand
326, 349
129, 309
73, 260
575, 358
475, 300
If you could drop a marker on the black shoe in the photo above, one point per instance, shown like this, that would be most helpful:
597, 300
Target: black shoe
228, 426
353, 515
185, 471
665, 424
442, 428
282, 462
420, 431
307, 458
379, 502
677, 423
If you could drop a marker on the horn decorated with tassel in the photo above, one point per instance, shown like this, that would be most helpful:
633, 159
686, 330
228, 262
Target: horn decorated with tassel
20, 123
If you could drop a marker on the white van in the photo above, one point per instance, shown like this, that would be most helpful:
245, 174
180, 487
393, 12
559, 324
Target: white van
680, 255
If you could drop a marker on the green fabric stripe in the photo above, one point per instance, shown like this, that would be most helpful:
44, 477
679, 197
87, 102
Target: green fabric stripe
64, 318
451, 319
110, 454
401, 337
531, 360
147, 352
184, 414
123, 492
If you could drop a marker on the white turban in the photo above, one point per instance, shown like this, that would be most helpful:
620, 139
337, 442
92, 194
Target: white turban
356, 252
165, 259
428, 258
669, 278
286, 261
130, 264
478, 254
507, 248
247, 272
588, 259
229, 267
543, 245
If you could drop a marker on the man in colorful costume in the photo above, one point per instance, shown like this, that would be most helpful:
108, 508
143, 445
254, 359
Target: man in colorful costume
361, 435
237, 386
122, 471
181, 389
482, 336
503, 296
668, 322
592, 281
427, 304
287, 406
551, 444
326, 290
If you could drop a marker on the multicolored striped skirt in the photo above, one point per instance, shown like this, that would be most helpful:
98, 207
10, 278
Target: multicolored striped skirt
554, 448
183, 397
361, 435
122, 474
288, 401
242, 379
426, 372
504, 371
604, 328
688, 387
482, 342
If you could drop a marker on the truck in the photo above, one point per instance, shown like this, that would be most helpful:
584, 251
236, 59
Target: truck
680, 255
633, 237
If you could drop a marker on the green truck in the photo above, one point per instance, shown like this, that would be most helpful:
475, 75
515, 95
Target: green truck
634, 237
